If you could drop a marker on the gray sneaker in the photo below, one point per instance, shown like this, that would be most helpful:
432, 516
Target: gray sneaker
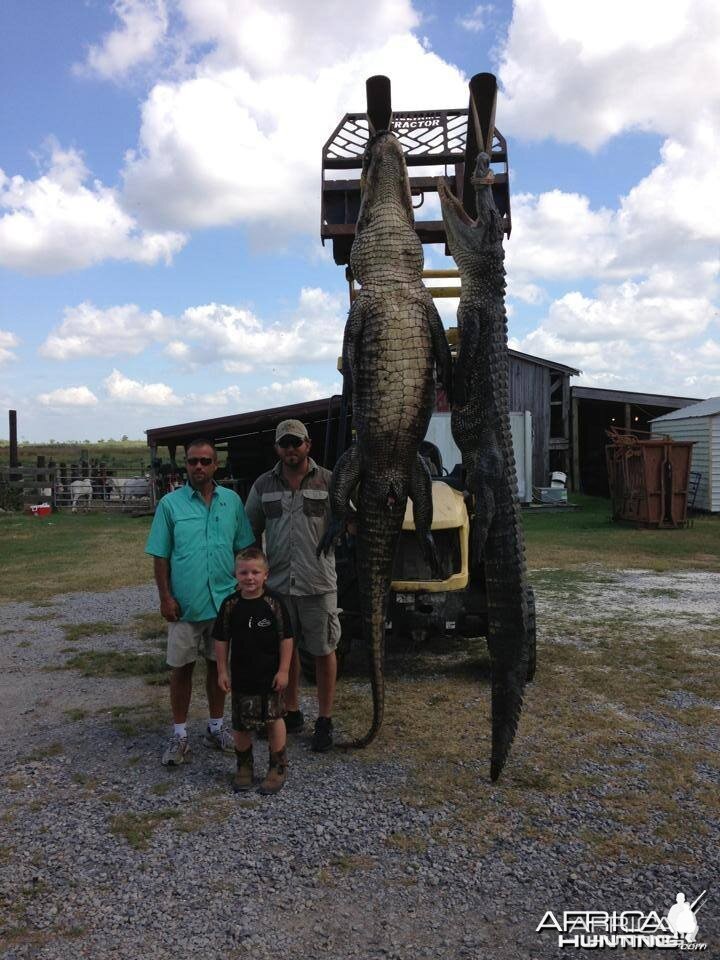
177, 752
222, 740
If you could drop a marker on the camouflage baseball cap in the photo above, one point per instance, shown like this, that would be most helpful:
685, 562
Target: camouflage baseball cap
291, 428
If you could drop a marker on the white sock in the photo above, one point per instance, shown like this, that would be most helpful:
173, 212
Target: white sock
181, 730
215, 724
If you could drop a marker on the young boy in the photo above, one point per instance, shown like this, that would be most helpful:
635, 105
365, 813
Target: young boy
255, 625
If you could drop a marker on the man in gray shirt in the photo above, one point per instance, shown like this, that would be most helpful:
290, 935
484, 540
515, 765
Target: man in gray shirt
290, 504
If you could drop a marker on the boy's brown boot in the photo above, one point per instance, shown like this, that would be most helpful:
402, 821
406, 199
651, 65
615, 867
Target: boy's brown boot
243, 779
277, 771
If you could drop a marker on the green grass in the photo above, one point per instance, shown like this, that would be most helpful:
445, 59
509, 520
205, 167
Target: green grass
79, 631
43, 753
151, 626
588, 535
76, 714
42, 558
138, 828
113, 663
133, 454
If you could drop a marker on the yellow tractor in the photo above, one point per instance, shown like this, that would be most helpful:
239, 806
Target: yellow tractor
422, 606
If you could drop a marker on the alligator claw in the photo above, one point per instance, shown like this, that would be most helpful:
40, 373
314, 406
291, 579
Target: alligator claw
332, 532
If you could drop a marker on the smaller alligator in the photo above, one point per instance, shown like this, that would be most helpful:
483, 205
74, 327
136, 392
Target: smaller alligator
394, 343
481, 428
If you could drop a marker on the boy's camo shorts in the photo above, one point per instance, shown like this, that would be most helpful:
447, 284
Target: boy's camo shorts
253, 712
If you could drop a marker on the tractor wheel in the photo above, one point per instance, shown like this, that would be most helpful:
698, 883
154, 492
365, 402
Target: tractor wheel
532, 655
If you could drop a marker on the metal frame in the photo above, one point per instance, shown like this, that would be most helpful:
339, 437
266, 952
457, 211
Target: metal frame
430, 138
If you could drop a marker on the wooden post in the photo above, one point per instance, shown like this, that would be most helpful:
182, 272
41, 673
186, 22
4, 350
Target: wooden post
12, 416
576, 485
153, 476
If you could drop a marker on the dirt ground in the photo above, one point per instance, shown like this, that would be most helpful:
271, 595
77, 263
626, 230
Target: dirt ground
610, 799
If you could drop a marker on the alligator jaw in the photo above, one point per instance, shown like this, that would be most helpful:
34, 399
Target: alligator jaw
463, 236
448, 198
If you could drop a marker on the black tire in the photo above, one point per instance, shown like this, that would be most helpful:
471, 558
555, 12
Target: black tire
532, 639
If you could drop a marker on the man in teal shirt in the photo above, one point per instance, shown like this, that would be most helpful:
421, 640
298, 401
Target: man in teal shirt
195, 535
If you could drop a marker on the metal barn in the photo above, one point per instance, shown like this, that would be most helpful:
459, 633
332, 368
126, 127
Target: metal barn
537, 386
542, 387
699, 423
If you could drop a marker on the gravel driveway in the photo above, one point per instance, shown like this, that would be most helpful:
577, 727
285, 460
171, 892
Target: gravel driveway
106, 854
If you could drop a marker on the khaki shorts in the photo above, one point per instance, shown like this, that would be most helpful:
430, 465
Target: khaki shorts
187, 641
315, 622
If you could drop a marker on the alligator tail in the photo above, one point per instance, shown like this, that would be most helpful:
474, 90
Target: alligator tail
381, 510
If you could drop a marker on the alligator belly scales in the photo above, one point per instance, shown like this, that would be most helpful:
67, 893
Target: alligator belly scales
394, 341
481, 429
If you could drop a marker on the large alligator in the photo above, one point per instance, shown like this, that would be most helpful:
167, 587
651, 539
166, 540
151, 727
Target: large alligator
394, 343
481, 428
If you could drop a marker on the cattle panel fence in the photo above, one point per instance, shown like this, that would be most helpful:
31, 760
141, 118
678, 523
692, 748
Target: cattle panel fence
118, 490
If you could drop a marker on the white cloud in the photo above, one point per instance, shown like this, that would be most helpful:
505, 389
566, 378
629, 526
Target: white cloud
7, 340
634, 336
225, 397
127, 391
557, 235
236, 366
475, 21
525, 292
90, 331
239, 141
286, 37
585, 72
212, 333
678, 202
143, 25
68, 397
235, 337
629, 311
295, 391
58, 223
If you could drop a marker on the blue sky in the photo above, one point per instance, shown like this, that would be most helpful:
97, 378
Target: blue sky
160, 258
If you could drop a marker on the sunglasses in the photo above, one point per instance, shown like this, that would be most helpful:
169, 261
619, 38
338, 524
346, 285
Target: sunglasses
286, 442
194, 461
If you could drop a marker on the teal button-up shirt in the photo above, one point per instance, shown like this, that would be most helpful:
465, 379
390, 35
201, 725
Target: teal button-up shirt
200, 542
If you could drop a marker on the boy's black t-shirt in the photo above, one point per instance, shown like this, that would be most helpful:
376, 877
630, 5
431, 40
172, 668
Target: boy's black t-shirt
253, 629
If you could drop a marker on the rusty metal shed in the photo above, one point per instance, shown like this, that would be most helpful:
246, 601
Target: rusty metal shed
594, 411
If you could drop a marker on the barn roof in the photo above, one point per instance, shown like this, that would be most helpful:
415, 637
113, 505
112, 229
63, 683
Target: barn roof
631, 396
256, 421
528, 358
706, 408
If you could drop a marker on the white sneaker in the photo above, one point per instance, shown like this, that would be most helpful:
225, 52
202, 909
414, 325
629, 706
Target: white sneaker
177, 752
222, 740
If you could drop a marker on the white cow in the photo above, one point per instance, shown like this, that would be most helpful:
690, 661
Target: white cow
81, 490
128, 488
